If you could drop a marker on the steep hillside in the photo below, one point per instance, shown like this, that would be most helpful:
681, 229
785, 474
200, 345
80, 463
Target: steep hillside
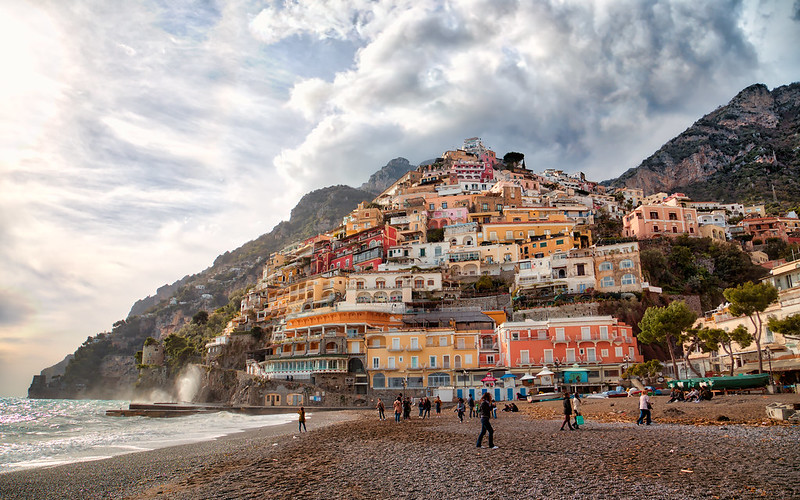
386, 176
739, 152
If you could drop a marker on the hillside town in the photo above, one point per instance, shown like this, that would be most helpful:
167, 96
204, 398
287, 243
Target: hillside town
472, 273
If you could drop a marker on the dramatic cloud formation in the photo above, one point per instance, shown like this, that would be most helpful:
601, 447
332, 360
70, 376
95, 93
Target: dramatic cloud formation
138, 140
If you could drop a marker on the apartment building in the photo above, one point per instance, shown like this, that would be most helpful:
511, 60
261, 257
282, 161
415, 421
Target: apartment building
648, 221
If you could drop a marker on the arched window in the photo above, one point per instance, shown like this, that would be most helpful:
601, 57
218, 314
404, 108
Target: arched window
419, 283
373, 243
380, 284
629, 279
396, 297
438, 379
359, 285
606, 282
363, 298
457, 361
468, 241
626, 264
379, 381
605, 266
398, 283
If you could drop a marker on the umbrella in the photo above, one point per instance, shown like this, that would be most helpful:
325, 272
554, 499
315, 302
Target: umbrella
508, 375
544, 372
528, 377
488, 378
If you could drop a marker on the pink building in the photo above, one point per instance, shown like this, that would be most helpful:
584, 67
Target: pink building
647, 221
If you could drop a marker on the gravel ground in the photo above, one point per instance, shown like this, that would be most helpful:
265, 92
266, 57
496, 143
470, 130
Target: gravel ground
365, 458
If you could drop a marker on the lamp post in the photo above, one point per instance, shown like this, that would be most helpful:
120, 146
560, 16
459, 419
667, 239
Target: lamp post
771, 379
556, 363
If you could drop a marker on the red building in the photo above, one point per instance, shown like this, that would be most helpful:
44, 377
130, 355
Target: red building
361, 251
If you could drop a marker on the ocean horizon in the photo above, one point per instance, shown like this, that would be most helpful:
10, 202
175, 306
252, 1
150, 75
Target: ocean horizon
48, 432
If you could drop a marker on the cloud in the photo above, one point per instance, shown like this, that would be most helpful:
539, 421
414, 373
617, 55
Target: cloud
558, 80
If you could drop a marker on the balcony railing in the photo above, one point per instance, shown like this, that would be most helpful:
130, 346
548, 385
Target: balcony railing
397, 348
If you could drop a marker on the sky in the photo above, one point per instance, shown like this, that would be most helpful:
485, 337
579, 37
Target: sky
141, 139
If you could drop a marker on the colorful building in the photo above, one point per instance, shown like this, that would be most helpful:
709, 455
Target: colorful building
648, 221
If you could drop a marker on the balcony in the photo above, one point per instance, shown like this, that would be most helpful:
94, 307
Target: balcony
414, 348
566, 339
397, 348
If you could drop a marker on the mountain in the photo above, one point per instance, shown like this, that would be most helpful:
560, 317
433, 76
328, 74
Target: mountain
385, 177
104, 367
739, 152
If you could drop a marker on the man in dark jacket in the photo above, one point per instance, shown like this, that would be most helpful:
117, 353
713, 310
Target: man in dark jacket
567, 412
485, 412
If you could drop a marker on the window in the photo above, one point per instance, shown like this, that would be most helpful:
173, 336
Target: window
438, 379
379, 380
586, 333
591, 355
673, 216
548, 356
376, 363
490, 359
655, 229
560, 334
674, 229
559, 242
359, 285
431, 207
419, 283
605, 266
484, 207
442, 341
515, 336
380, 284
432, 360
631, 353
525, 265
396, 344
398, 283
414, 361
604, 353
542, 244
437, 251
509, 235
422, 252
444, 205
628, 279
414, 343
468, 359
499, 207
493, 235
604, 332
570, 355
446, 362
654, 215
626, 264
606, 282
524, 357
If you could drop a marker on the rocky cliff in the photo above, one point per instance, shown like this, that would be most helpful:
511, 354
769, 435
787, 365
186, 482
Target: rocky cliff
743, 151
385, 177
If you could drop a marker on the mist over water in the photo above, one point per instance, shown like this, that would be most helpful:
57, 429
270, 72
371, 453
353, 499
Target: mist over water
188, 383
46, 432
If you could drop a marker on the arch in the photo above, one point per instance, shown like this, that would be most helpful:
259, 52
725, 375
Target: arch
468, 241
373, 243
331, 348
355, 366
360, 284
379, 381
380, 297
363, 298
562, 273
380, 283
629, 279
396, 297
457, 361
455, 270
453, 242
605, 266
626, 264
471, 269
607, 282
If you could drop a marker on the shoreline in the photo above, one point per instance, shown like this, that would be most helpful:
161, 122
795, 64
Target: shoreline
130, 474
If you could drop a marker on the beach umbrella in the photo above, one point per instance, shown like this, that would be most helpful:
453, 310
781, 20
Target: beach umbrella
527, 377
488, 378
508, 375
545, 372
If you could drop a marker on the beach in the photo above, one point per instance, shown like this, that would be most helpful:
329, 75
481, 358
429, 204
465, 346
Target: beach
353, 455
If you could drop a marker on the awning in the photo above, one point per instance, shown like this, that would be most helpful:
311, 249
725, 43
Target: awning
545, 372
508, 375
527, 377
777, 365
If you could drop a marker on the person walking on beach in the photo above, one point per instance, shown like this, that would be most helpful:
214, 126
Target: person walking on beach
381, 408
301, 421
438, 403
421, 406
426, 407
471, 404
576, 409
485, 412
567, 412
407, 409
644, 409
398, 408
460, 409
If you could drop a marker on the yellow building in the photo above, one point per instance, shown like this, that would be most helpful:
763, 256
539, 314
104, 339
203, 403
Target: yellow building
305, 294
419, 359
363, 217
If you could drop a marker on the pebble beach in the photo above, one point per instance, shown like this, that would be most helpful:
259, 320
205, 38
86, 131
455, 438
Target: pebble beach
351, 454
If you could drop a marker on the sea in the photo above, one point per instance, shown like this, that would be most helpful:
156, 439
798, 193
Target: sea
46, 432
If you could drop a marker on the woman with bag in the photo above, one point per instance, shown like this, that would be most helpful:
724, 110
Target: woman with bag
567, 412
576, 409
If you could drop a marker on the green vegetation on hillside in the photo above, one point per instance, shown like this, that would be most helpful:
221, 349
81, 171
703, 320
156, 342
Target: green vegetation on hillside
698, 266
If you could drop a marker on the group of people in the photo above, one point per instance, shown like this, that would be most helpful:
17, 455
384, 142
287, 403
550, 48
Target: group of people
695, 395
402, 407
572, 406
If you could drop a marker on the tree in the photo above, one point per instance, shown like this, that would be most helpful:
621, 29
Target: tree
715, 338
751, 300
646, 370
666, 325
788, 327
513, 158
200, 318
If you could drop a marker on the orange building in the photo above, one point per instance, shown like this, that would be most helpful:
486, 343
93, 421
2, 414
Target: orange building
648, 221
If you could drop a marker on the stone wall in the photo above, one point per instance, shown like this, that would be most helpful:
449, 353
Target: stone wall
563, 311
